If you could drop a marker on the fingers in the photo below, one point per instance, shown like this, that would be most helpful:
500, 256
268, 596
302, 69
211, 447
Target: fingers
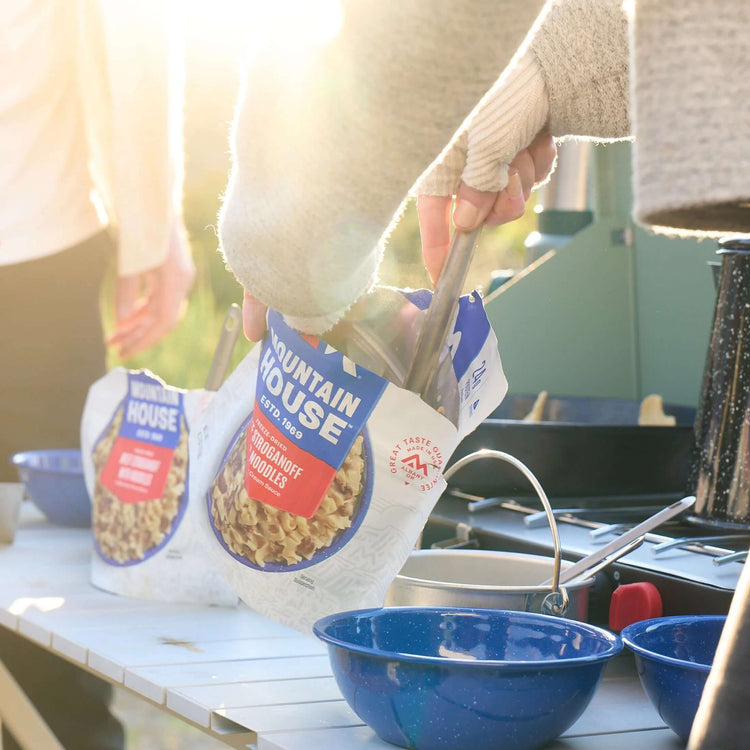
130, 333
530, 167
150, 322
433, 214
154, 303
510, 202
153, 320
131, 313
162, 310
253, 318
472, 207
523, 164
151, 304
127, 326
126, 296
543, 151
140, 338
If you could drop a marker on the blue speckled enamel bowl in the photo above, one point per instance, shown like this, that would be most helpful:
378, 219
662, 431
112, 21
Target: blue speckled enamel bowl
465, 679
53, 480
673, 656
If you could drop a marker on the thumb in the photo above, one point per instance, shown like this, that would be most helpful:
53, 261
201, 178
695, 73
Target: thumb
472, 207
253, 318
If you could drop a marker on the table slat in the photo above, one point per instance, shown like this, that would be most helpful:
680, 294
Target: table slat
301, 716
113, 662
198, 703
153, 682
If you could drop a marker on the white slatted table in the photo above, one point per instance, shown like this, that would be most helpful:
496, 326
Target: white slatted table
230, 671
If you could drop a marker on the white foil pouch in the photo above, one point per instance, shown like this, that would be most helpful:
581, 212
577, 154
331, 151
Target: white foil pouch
145, 519
317, 476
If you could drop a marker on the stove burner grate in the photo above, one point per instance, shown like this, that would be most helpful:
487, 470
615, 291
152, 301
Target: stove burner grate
612, 519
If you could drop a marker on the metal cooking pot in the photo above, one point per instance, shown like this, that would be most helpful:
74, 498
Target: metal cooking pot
465, 581
482, 578
504, 580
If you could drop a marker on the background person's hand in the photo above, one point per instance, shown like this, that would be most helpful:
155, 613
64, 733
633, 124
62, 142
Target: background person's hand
530, 167
149, 305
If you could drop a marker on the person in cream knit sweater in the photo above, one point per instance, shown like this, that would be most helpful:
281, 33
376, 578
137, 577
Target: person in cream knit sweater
468, 97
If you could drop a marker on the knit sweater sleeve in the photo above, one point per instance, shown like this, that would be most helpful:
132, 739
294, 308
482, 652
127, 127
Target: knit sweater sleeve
327, 144
137, 123
582, 48
571, 77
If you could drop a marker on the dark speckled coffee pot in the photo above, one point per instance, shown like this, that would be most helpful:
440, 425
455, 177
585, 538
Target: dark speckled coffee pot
720, 472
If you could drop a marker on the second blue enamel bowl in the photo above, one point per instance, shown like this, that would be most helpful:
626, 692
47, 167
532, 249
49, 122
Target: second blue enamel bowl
673, 656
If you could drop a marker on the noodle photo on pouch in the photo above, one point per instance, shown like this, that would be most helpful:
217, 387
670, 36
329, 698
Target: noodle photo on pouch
259, 534
129, 532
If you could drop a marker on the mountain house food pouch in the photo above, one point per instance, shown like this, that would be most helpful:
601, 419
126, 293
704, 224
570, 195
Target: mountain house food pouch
317, 475
134, 437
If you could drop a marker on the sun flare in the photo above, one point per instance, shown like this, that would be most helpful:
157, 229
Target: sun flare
262, 25
23, 604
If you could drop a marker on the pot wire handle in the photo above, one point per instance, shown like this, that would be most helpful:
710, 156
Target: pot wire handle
557, 600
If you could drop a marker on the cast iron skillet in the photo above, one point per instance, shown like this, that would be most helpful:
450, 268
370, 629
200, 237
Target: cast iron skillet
584, 448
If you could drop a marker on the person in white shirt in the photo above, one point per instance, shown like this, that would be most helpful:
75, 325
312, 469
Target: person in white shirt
90, 165
90, 170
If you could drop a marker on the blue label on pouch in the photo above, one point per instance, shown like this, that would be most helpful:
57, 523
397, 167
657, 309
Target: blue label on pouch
152, 412
138, 464
310, 405
470, 331
312, 394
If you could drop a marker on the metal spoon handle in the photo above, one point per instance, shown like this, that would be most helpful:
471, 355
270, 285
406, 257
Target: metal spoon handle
627, 537
230, 330
626, 550
434, 330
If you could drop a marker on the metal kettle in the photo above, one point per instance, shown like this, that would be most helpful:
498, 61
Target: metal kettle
720, 468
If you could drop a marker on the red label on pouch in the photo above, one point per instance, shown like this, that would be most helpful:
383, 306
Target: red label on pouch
136, 471
279, 473
310, 406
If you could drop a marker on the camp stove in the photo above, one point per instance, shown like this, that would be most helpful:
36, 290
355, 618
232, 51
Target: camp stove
694, 569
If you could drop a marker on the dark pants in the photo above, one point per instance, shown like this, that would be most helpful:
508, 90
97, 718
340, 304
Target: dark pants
51, 350
51, 347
